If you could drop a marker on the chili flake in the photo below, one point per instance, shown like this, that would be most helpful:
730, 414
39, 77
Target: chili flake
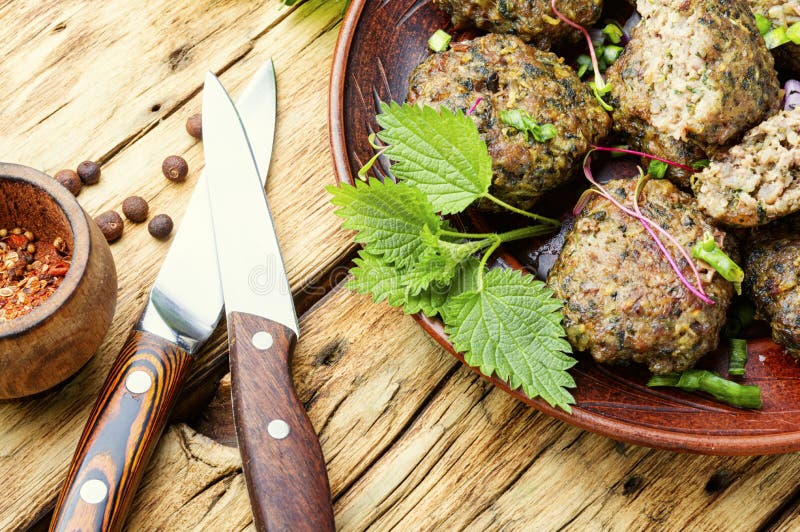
30, 271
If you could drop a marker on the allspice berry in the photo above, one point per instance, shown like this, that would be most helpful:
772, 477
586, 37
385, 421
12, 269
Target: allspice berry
175, 168
70, 180
89, 172
194, 126
135, 209
160, 226
110, 223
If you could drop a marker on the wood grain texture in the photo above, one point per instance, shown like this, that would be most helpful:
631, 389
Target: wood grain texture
286, 475
416, 442
112, 120
121, 434
388, 403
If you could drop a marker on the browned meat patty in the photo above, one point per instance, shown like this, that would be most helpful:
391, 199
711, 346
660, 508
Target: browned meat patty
781, 13
772, 279
694, 77
623, 301
758, 180
531, 20
508, 74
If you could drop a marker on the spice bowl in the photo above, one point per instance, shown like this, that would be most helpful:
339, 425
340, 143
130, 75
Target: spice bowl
54, 339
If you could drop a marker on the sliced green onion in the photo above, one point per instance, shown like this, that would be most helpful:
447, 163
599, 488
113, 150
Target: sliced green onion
763, 24
699, 165
707, 250
657, 169
611, 53
776, 37
793, 33
693, 380
439, 41
613, 32
738, 357
522, 121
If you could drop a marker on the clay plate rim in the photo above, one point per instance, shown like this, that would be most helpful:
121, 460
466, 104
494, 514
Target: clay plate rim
741, 444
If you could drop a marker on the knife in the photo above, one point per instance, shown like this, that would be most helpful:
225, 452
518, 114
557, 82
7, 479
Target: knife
282, 460
184, 307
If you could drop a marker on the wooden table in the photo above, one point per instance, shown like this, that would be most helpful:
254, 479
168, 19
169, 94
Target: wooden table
412, 439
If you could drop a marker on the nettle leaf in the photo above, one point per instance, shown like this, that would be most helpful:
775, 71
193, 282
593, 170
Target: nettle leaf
386, 282
388, 216
441, 153
512, 327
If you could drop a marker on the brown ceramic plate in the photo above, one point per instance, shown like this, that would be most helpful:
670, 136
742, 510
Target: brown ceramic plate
380, 42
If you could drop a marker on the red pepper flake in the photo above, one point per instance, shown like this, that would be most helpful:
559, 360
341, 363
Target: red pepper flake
30, 271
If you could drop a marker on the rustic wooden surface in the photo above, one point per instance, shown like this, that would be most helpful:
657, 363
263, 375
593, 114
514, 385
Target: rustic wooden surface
412, 440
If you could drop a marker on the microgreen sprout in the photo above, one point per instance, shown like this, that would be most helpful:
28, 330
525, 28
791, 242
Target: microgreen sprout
616, 149
522, 121
474, 105
379, 149
599, 86
652, 228
657, 169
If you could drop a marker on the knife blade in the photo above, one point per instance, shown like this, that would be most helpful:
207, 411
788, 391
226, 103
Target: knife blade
184, 307
282, 459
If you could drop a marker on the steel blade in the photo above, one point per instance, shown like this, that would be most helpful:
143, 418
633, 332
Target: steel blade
186, 302
251, 267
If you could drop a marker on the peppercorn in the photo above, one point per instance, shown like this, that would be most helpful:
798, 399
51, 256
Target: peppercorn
110, 223
175, 168
70, 180
194, 126
160, 226
89, 172
135, 209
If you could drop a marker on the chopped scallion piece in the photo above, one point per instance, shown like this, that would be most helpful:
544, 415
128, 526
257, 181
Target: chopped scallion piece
439, 41
707, 250
699, 165
763, 23
738, 357
613, 32
521, 120
776, 37
657, 169
732, 393
793, 33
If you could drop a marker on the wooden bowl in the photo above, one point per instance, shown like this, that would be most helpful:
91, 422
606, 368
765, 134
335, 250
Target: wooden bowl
379, 45
46, 346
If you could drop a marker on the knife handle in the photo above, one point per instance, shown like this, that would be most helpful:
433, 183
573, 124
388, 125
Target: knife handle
283, 462
121, 434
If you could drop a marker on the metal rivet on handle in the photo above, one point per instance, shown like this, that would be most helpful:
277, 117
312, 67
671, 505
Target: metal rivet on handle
262, 340
278, 429
138, 381
94, 491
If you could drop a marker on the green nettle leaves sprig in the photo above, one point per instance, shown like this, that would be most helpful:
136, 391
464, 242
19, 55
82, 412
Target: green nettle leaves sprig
503, 321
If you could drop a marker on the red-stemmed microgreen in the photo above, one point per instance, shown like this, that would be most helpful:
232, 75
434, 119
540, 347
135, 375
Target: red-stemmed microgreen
379, 149
650, 226
599, 87
474, 106
614, 149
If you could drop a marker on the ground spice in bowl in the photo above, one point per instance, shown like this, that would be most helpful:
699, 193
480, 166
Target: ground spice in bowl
30, 271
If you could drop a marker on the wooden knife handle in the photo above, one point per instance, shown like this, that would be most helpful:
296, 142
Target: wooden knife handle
283, 463
122, 431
